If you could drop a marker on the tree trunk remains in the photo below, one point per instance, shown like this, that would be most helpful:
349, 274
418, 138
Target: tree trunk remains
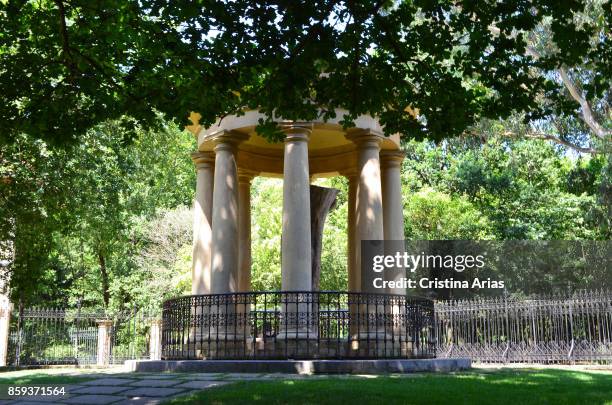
322, 200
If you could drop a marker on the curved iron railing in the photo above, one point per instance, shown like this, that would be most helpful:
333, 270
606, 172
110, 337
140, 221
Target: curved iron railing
298, 325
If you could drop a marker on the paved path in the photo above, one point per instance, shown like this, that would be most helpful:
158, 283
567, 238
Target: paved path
117, 387
133, 388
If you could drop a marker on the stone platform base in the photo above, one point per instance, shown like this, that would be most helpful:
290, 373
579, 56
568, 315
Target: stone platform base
372, 347
382, 366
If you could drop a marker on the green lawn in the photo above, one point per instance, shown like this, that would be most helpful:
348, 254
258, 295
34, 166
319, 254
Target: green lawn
516, 387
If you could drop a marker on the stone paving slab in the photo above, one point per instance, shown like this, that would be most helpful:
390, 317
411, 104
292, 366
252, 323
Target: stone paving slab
140, 401
110, 381
239, 377
244, 376
282, 375
40, 399
204, 376
101, 389
70, 388
93, 399
152, 392
158, 376
201, 385
33, 403
155, 383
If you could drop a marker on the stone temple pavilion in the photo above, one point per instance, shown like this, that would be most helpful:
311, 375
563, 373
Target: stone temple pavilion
230, 154
224, 319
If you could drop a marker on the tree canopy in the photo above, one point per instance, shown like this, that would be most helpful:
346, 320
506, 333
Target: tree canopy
67, 65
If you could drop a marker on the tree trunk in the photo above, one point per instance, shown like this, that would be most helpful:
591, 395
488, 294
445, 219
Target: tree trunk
322, 200
105, 282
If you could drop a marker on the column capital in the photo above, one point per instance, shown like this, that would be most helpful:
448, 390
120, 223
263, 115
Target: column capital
298, 132
228, 140
365, 139
245, 175
203, 160
391, 158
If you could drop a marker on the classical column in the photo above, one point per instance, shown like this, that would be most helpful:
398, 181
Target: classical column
296, 259
393, 217
225, 215
369, 213
225, 323
393, 212
202, 221
354, 273
354, 276
296, 262
243, 306
244, 229
368, 226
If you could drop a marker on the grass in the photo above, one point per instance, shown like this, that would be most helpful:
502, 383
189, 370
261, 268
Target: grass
478, 387
39, 377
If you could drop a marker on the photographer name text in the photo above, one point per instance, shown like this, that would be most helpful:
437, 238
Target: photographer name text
409, 262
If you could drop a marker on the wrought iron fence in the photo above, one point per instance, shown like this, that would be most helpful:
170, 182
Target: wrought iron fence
130, 334
280, 325
541, 330
285, 325
41, 336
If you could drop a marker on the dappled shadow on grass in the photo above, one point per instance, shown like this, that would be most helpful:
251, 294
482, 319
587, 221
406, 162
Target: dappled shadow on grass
39, 377
507, 386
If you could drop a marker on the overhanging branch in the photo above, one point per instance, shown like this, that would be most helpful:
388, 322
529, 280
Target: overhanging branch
542, 136
587, 112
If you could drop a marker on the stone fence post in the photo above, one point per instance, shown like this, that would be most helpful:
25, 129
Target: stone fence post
155, 340
104, 341
5, 321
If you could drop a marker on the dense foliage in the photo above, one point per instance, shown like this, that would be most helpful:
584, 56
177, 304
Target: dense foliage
66, 66
72, 215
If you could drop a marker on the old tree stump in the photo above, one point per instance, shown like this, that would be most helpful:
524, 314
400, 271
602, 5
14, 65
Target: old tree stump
322, 201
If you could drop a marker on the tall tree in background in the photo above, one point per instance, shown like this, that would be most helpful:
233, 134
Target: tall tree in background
586, 126
32, 206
